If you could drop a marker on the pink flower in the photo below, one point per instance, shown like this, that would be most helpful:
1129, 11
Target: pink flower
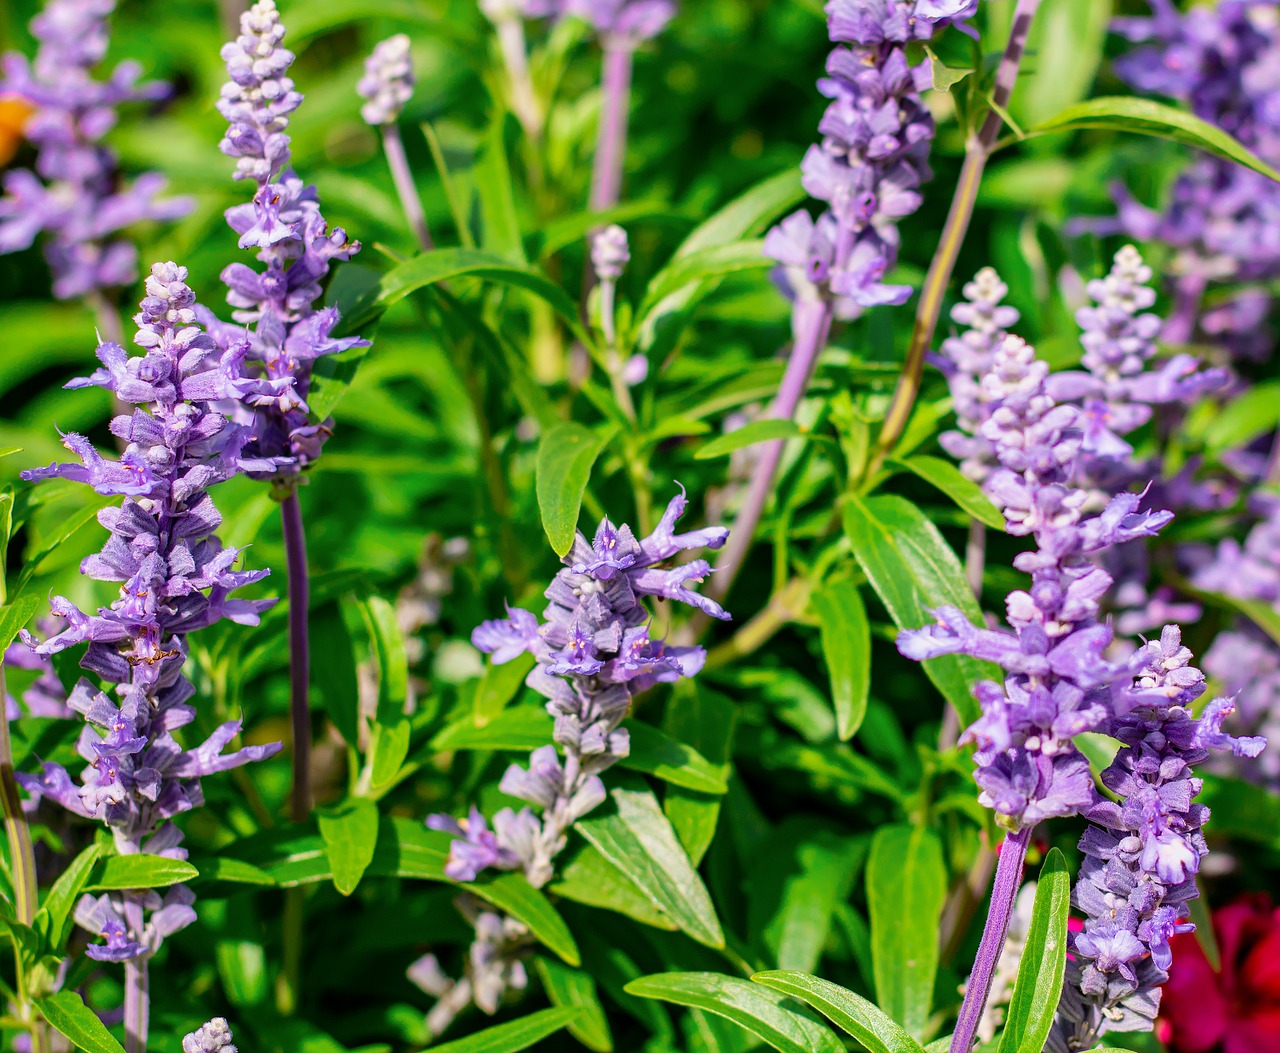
1235, 1010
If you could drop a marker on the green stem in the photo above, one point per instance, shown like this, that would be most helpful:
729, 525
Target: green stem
934, 289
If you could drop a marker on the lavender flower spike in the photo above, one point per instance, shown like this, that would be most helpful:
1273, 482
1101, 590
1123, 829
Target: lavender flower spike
387, 84
176, 578
75, 196
213, 1037
594, 654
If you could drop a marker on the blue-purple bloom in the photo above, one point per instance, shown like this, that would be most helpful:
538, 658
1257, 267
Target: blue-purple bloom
623, 22
387, 84
176, 578
280, 331
75, 196
872, 159
213, 1037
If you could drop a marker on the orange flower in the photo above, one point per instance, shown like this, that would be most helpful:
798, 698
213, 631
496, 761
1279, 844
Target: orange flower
14, 114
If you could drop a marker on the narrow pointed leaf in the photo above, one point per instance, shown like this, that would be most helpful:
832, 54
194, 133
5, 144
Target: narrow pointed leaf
848, 1011
517, 1035
785, 1025
69, 1016
846, 645
962, 490
565, 456
1044, 959
139, 871
350, 833
576, 989
749, 435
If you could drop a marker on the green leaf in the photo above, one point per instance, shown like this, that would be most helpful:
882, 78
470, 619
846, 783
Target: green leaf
1243, 809
911, 568
389, 653
51, 920
850, 1012
350, 833
906, 886
639, 841
802, 873
1260, 612
450, 186
1044, 960
565, 456
685, 272
517, 1035
944, 77
750, 434
389, 748
585, 876
749, 213
333, 669
232, 871
575, 989
69, 1016
1126, 113
443, 265
65, 531
783, 1024
1067, 41
498, 685
704, 719
500, 222
522, 729
846, 644
14, 616
1253, 413
962, 490
139, 871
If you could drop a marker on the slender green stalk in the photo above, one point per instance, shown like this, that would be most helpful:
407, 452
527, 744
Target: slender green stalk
932, 293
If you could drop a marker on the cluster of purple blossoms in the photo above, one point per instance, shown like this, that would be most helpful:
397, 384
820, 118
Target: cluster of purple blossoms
213, 1037
75, 195
873, 156
1141, 856
176, 578
594, 654
283, 222
1143, 849
1222, 219
387, 84
965, 359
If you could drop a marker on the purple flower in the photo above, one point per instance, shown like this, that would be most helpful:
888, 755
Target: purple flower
75, 195
213, 1037
629, 22
387, 84
175, 578
295, 245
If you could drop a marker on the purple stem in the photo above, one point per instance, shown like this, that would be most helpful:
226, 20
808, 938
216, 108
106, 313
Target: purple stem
137, 997
402, 175
295, 550
811, 322
1004, 891
611, 147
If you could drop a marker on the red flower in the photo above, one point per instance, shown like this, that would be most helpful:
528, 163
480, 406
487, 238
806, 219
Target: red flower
1236, 1010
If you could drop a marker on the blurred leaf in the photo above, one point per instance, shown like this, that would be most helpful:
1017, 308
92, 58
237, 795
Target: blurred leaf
911, 572
516, 1035
575, 989
139, 871
69, 1016
1253, 413
749, 213
750, 434
783, 1024
850, 1012
442, 265
499, 220
565, 456
333, 666
705, 720
389, 653
639, 841
499, 684
1044, 959
1125, 113
350, 833
1066, 41
963, 491
802, 873
1242, 810
846, 644
906, 886
456, 207
685, 273
67, 527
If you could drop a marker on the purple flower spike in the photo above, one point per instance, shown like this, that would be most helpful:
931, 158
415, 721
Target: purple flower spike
295, 245
75, 195
387, 84
175, 578
213, 1037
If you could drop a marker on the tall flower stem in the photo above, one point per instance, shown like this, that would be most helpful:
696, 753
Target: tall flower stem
1004, 892
22, 866
295, 550
812, 325
524, 100
611, 146
938, 278
402, 175
137, 995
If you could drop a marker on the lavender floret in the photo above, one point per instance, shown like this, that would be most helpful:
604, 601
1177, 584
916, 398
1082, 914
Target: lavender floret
213, 1037
289, 332
176, 578
75, 196
387, 84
